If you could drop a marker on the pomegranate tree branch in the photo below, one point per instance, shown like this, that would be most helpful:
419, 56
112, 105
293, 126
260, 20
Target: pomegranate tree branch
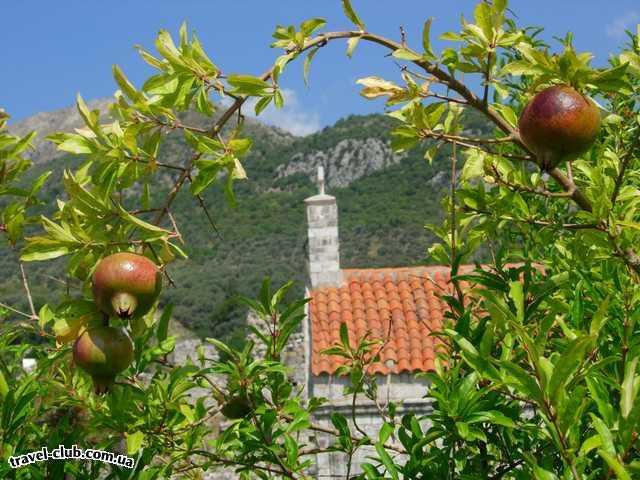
25, 283
10, 308
523, 188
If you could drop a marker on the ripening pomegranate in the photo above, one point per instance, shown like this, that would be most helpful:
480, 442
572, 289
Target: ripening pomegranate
103, 352
559, 124
236, 408
126, 285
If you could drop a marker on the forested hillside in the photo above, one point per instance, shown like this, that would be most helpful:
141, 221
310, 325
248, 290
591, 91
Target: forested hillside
384, 201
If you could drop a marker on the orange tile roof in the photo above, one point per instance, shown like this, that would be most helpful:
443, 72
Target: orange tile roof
400, 306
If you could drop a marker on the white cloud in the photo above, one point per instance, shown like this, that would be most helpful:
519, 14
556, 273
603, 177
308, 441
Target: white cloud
291, 117
617, 27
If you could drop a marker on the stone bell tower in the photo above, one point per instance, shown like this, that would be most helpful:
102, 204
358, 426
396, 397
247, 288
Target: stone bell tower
324, 246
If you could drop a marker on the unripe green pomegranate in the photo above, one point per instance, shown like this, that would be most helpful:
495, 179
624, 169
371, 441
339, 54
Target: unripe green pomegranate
126, 285
559, 124
103, 352
237, 407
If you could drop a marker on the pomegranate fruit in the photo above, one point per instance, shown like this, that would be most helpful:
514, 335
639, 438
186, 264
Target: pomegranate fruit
126, 285
103, 352
559, 124
237, 407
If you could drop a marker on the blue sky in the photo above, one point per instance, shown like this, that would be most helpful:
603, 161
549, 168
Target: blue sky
51, 50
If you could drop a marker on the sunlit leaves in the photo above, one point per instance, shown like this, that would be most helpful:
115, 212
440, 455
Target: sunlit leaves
15, 200
375, 87
426, 39
351, 14
248, 84
405, 54
569, 67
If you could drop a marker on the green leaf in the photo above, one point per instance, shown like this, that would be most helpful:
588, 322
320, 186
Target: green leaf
307, 65
627, 393
150, 59
542, 474
491, 416
141, 224
278, 99
82, 199
615, 465
38, 183
520, 67
340, 423
262, 104
247, 84
163, 324
351, 14
166, 47
387, 461
45, 315
463, 430
568, 362
291, 447
75, 144
89, 118
229, 195
500, 5
525, 380
590, 443
452, 36
605, 434
405, 54
4, 387
39, 249
308, 27
60, 233
184, 37
352, 43
483, 17
344, 335
426, 39
385, 432
134, 442
161, 84
600, 395
517, 295
599, 317
125, 85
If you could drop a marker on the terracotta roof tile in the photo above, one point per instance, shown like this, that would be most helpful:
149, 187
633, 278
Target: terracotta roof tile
403, 304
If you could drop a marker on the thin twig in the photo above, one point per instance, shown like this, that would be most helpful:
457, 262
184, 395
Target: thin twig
25, 283
454, 226
523, 188
8, 307
623, 169
208, 214
175, 227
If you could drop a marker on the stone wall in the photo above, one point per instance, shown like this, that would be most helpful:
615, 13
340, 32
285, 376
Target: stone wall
397, 388
369, 420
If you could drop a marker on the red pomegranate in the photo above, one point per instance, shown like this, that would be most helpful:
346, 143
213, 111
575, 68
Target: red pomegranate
103, 352
559, 124
126, 285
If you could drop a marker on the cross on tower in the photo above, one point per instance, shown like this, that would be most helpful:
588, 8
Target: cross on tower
321, 179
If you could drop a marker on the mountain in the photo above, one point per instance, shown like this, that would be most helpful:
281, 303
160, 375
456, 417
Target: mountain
45, 123
384, 200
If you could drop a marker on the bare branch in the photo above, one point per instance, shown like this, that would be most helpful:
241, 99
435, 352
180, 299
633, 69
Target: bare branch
25, 284
10, 308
